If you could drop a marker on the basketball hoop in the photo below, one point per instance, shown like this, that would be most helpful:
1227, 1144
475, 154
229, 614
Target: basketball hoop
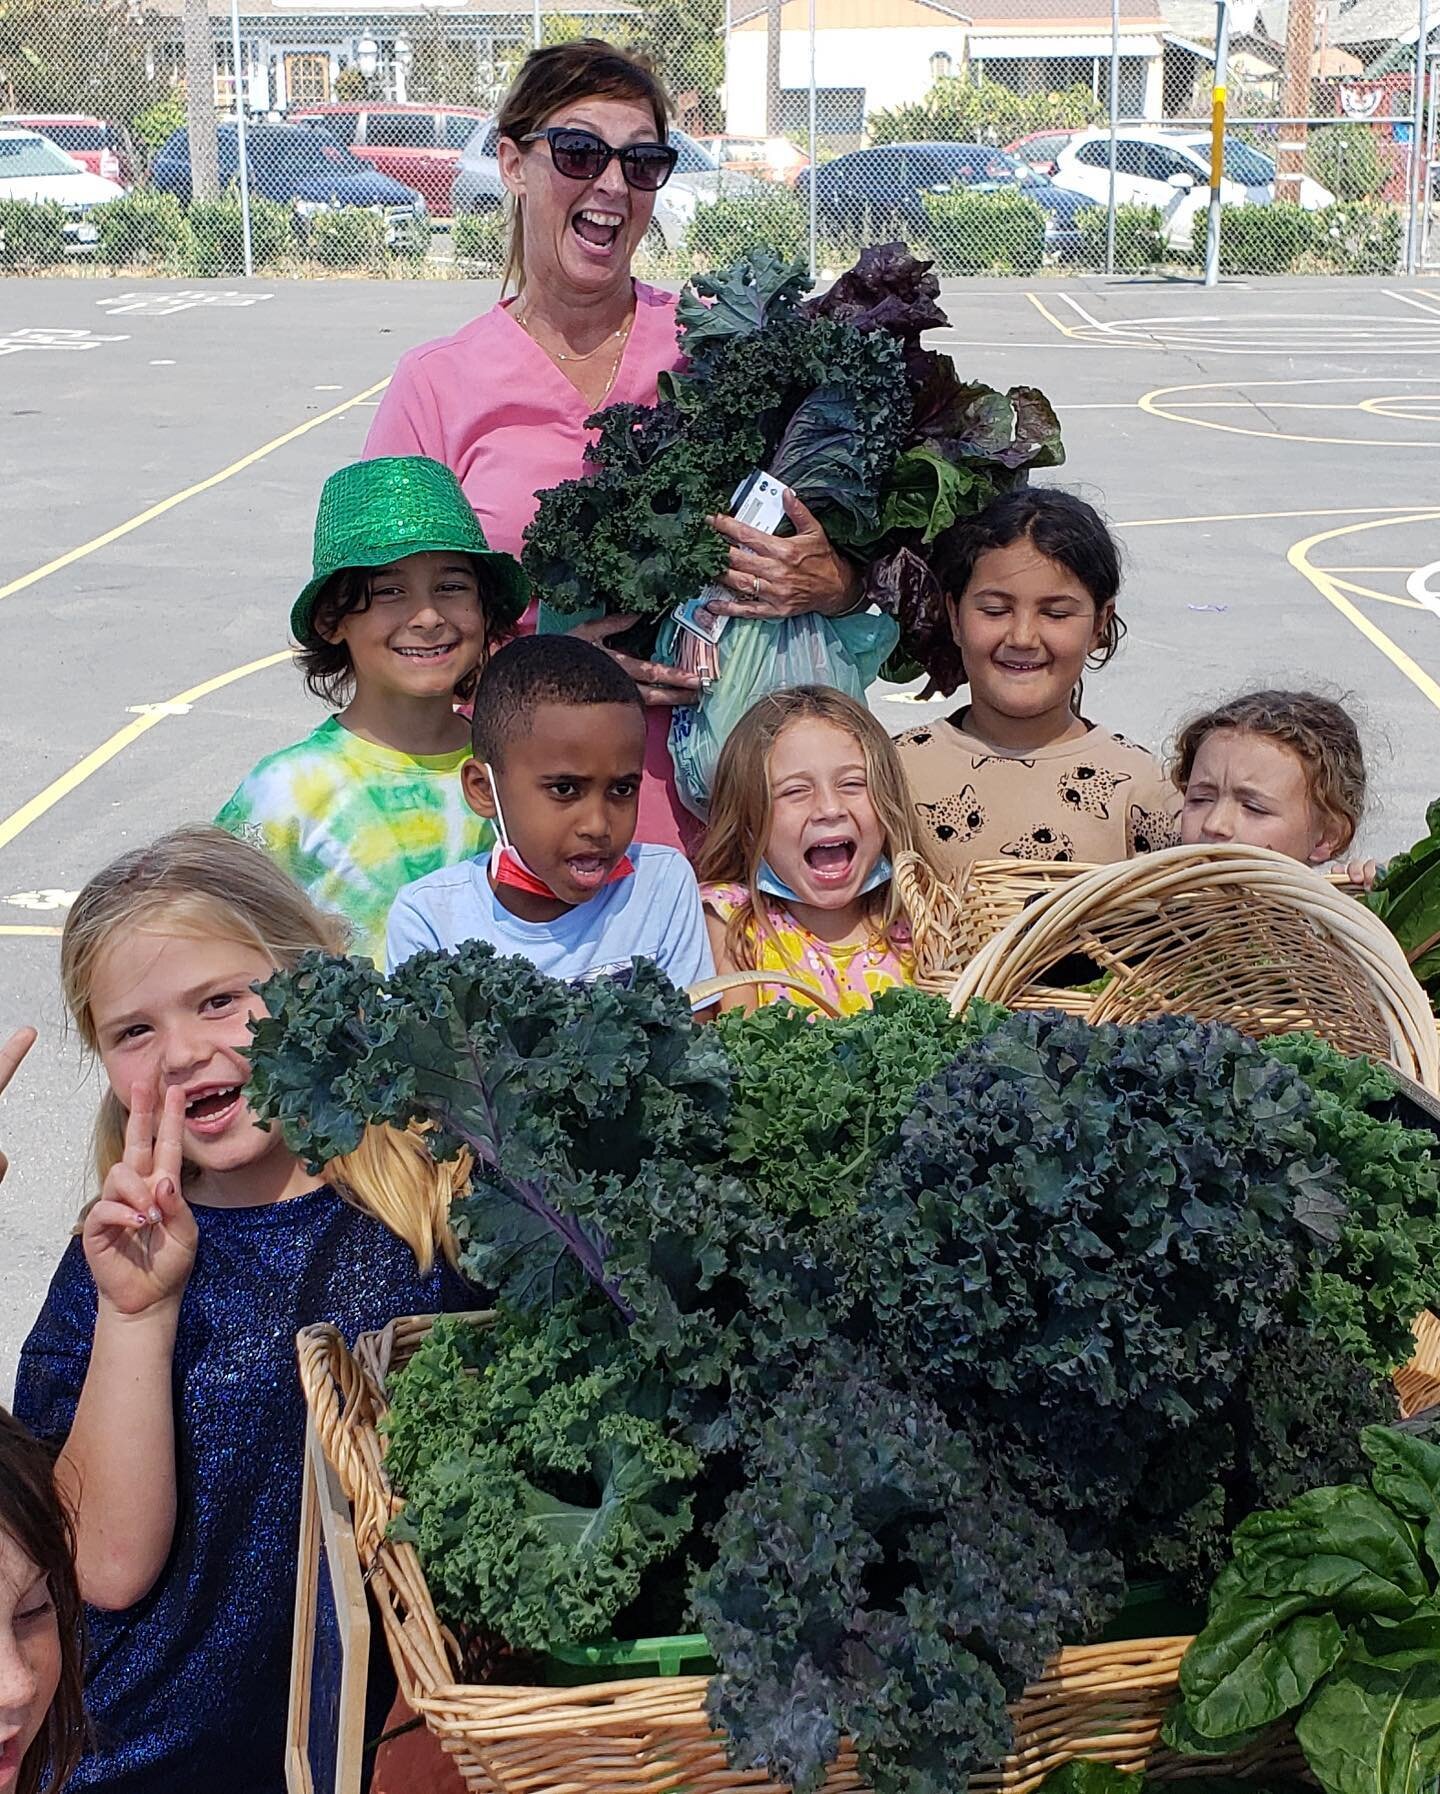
1361, 99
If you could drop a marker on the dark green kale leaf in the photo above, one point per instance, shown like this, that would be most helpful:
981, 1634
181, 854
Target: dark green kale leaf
894, 1590
1086, 1231
715, 309
1293, 1423
540, 1480
632, 534
814, 1102
569, 1097
1386, 1269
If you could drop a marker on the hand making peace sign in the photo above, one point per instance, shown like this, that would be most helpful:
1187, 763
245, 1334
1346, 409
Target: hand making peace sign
140, 1236
13, 1051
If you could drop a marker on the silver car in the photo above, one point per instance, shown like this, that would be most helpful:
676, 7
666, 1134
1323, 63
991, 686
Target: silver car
698, 179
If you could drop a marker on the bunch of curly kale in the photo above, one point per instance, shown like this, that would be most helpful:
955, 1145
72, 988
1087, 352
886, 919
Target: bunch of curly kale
833, 396
886, 1414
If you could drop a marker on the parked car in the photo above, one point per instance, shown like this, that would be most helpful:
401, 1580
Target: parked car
301, 167
32, 168
99, 148
873, 194
1171, 170
769, 158
698, 179
417, 144
1039, 150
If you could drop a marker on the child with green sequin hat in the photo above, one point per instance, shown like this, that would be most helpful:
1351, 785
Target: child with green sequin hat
405, 602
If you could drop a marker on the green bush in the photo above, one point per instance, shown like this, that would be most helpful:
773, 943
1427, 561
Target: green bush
218, 234
1359, 238
1259, 239
32, 235
479, 240
158, 123
985, 233
349, 238
1348, 160
959, 111
1139, 237
732, 226
145, 229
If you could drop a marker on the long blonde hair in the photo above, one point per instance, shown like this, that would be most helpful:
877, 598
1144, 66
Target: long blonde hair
205, 884
741, 808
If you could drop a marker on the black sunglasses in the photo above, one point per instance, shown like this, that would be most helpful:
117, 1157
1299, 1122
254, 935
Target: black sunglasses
582, 156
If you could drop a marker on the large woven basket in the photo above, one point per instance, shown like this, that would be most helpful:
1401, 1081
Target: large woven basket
651, 1736
1230, 934
952, 922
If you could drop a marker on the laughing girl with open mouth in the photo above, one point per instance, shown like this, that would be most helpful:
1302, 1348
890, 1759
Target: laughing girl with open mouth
809, 810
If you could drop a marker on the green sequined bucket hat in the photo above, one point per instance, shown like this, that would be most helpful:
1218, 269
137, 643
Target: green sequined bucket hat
375, 512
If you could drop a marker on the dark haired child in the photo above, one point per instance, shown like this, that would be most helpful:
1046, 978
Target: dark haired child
559, 739
405, 602
1019, 771
42, 1719
1277, 769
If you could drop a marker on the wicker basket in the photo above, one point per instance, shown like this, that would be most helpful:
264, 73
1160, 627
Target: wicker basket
1230, 934
651, 1736
1418, 1385
951, 923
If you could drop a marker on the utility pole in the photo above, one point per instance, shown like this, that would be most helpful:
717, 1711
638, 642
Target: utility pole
773, 10
1218, 95
1299, 63
200, 101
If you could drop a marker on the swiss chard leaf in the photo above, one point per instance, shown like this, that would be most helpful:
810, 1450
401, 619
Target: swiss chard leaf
926, 493
1374, 1731
1256, 1661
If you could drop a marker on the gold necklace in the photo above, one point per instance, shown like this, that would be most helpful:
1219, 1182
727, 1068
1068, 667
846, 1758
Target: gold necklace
620, 336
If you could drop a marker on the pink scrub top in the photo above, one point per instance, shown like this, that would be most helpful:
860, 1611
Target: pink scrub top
492, 405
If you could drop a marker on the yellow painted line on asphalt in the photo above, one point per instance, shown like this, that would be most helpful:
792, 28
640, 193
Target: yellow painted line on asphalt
1349, 585
1329, 589
27, 928
1149, 403
72, 555
1045, 312
19, 820
1265, 516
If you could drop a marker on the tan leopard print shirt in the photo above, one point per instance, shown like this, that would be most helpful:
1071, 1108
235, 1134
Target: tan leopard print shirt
1095, 799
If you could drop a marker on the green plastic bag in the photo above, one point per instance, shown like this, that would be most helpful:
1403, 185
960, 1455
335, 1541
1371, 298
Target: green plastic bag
759, 655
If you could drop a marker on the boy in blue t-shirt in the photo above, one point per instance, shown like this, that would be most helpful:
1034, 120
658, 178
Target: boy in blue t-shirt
559, 737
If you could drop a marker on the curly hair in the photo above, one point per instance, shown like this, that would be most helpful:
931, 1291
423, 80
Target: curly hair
33, 1515
1319, 732
327, 666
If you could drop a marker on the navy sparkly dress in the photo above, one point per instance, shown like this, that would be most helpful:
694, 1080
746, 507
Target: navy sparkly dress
187, 1689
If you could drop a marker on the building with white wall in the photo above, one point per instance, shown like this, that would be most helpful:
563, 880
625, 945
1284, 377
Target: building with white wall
874, 54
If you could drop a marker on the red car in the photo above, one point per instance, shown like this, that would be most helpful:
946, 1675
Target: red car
98, 148
418, 144
1039, 149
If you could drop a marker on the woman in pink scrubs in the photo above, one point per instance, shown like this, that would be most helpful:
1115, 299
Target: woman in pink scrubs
504, 401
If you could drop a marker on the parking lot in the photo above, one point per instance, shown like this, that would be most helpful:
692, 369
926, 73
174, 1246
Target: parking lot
1270, 455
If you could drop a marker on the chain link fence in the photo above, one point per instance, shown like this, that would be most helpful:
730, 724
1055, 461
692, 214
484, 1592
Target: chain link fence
299, 137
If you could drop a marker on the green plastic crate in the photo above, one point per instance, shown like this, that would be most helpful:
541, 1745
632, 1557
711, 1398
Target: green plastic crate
685, 1654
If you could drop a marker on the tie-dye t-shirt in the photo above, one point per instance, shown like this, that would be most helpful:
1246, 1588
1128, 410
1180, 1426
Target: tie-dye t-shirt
352, 822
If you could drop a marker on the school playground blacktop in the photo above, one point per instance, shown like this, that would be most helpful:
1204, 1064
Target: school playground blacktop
1269, 453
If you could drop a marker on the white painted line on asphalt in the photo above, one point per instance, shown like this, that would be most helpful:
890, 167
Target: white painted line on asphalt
1418, 586
329, 389
1420, 304
1080, 310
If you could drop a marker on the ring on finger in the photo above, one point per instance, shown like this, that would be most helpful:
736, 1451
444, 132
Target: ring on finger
755, 584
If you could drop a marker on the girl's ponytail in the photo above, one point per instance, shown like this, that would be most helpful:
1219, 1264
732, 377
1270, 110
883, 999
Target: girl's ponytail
392, 1177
